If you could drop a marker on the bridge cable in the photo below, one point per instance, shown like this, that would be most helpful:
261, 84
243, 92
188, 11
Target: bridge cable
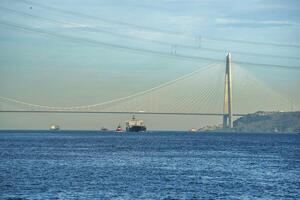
82, 15
114, 100
159, 42
134, 49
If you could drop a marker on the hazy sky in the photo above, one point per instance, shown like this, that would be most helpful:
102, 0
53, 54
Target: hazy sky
68, 53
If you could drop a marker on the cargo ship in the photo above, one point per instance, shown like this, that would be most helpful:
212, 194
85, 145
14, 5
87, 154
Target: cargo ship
135, 125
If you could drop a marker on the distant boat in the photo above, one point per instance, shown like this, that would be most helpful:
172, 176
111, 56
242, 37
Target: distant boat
192, 130
135, 125
54, 128
119, 129
104, 129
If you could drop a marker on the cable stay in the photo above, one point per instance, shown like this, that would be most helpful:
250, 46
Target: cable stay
114, 100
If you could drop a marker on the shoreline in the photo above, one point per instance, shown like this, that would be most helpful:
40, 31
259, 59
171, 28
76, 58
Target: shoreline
146, 132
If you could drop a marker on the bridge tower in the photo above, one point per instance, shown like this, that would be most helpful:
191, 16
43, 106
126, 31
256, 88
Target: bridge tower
227, 112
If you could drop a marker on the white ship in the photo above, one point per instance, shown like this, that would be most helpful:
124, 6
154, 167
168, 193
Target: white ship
54, 128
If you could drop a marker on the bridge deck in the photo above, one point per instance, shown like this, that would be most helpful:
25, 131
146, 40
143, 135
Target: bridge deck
112, 112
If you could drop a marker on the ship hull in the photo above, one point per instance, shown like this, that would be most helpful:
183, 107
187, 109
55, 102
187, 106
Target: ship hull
136, 128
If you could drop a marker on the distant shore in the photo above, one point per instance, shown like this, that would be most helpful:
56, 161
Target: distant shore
146, 132
259, 122
274, 122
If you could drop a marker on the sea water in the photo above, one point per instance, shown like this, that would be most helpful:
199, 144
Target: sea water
151, 165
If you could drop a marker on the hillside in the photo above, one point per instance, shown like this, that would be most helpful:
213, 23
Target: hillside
284, 122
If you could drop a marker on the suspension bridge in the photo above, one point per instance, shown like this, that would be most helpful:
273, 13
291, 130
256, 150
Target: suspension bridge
207, 100
218, 87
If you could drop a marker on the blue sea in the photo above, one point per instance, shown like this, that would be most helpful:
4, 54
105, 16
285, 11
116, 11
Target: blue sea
151, 165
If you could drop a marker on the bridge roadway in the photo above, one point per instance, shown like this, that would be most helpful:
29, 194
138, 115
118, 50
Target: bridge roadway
113, 112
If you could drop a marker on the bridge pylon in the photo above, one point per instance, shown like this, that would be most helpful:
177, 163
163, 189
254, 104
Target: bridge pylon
227, 112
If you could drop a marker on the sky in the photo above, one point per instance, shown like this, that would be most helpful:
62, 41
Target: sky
70, 53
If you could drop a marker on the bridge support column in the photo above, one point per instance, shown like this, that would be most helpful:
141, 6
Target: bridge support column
227, 113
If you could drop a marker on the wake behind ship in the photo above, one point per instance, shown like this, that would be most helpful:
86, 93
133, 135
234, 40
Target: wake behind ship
135, 125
